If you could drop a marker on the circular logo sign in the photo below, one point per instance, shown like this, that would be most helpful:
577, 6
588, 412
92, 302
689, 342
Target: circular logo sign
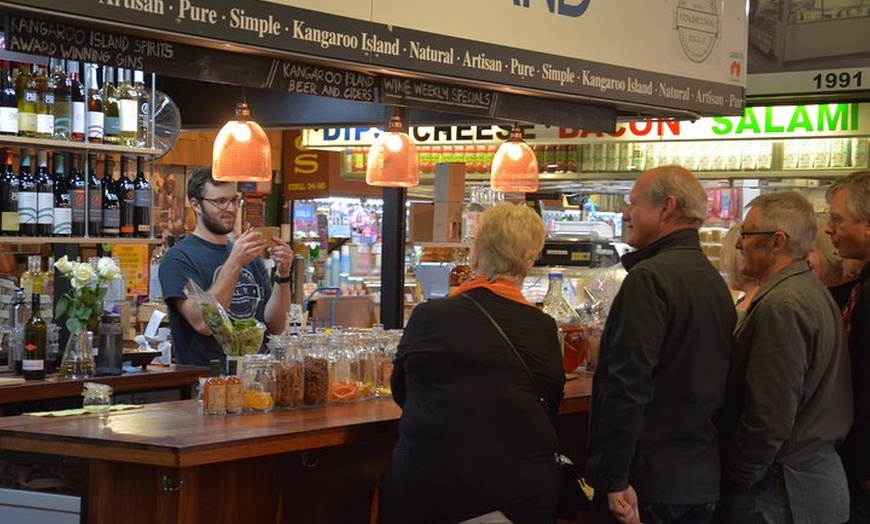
697, 27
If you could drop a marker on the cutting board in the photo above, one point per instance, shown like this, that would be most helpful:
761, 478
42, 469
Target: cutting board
11, 381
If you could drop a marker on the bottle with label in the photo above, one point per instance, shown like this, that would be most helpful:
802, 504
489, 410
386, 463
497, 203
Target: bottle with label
111, 205
95, 122
35, 342
141, 201
111, 111
95, 199
44, 102
44, 195
214, 395
143, 133
62, 213
78, 102
76, 188
571, 330
126, 199
8, 101
8, 198
128, 108
18, 315
26, 197
235, 401
62, 100
26, 95
31, 275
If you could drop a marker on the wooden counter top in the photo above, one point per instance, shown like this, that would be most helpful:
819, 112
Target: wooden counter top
174, 434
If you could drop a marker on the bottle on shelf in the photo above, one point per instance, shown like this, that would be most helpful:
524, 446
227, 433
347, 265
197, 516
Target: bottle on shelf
126, 199
128, 108
8, 101
141, 201
8, 198
44, 102
143, 133
570, 325
44, 195
26, 197
78, 102
62, 100
235, 400
31, 278
95, 199
111, 111
76, 184
26, 95
62, 213
18, 315
35, 343
95, 122
214, 395
111, 226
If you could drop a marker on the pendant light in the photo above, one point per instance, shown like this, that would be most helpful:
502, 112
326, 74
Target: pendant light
393, 158
242, 152
514, 168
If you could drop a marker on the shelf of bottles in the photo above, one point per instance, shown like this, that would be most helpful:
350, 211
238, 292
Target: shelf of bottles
48, 114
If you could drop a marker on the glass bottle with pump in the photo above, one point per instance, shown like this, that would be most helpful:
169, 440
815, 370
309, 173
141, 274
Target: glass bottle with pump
111, 111
8, 102
78, 102
26, 197
8, 198
26, 95
571, 332
62, 213
44, 195
214, 397
95, 123
33, 360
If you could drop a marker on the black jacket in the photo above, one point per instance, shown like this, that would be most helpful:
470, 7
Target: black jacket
661, 376
856, 449
473, 437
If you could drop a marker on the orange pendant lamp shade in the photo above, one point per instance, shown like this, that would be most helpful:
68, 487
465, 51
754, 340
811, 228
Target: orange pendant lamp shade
242, 152
393, 159
514, 168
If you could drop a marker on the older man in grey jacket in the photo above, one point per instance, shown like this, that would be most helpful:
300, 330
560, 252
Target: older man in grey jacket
790, 399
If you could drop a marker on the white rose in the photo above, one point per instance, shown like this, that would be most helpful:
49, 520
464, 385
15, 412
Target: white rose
82, 275
64, 265
107, 269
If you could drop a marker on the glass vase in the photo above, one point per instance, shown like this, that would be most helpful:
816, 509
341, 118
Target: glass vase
78, 357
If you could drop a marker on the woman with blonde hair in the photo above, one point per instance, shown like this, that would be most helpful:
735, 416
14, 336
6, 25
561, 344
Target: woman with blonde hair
475, 444
731, 264
830, 268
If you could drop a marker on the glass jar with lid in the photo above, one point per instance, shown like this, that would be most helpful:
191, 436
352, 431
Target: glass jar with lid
366, 359
315, 369
258, 383
287, 350
97, 397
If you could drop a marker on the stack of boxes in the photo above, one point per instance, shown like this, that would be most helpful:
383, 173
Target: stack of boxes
441, 221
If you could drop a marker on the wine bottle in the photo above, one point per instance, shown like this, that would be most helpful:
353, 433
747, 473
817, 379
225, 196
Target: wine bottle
62, 100
44, 103
35, 342
9, 199
26, 95
8, 102
111, 122
44, 195
95, 199
78, 101
111, 207
141, 201
62, 216
95, 124
76, 188
143, 134
126, 199
128, 108
26, 197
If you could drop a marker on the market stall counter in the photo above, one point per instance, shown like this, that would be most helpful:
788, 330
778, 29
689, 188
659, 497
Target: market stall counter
168, 463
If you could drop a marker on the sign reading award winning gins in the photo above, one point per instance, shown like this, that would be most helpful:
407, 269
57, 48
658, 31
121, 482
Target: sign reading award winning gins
810, 121
656, 57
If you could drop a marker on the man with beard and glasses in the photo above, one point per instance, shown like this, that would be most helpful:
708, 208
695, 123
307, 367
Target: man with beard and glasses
230, 271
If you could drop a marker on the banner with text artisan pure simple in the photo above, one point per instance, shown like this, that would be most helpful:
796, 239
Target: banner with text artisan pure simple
682, 54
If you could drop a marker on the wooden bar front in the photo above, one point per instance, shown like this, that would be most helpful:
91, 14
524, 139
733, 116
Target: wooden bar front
167, 463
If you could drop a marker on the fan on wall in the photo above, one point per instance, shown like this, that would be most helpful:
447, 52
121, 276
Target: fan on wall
167, 123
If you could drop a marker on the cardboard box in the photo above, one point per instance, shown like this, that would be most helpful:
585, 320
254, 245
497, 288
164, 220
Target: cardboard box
447, 226
450, 182
420, 221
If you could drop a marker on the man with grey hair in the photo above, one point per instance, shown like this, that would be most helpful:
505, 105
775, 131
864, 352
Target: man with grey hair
789, 402
849, 227
653, 450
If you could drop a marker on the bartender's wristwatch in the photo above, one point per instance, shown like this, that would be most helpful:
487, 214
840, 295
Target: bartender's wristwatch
281, 280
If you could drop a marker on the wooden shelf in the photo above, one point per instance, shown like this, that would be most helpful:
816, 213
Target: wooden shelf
46, 143
78, 240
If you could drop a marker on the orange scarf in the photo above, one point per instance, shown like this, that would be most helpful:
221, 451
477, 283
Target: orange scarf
500, 287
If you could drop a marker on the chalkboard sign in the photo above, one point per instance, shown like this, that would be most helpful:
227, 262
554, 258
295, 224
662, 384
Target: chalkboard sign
438, 96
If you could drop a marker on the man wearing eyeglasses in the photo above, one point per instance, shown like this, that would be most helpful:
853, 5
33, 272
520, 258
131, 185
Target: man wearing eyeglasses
789, 401
849, 227
232, 272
